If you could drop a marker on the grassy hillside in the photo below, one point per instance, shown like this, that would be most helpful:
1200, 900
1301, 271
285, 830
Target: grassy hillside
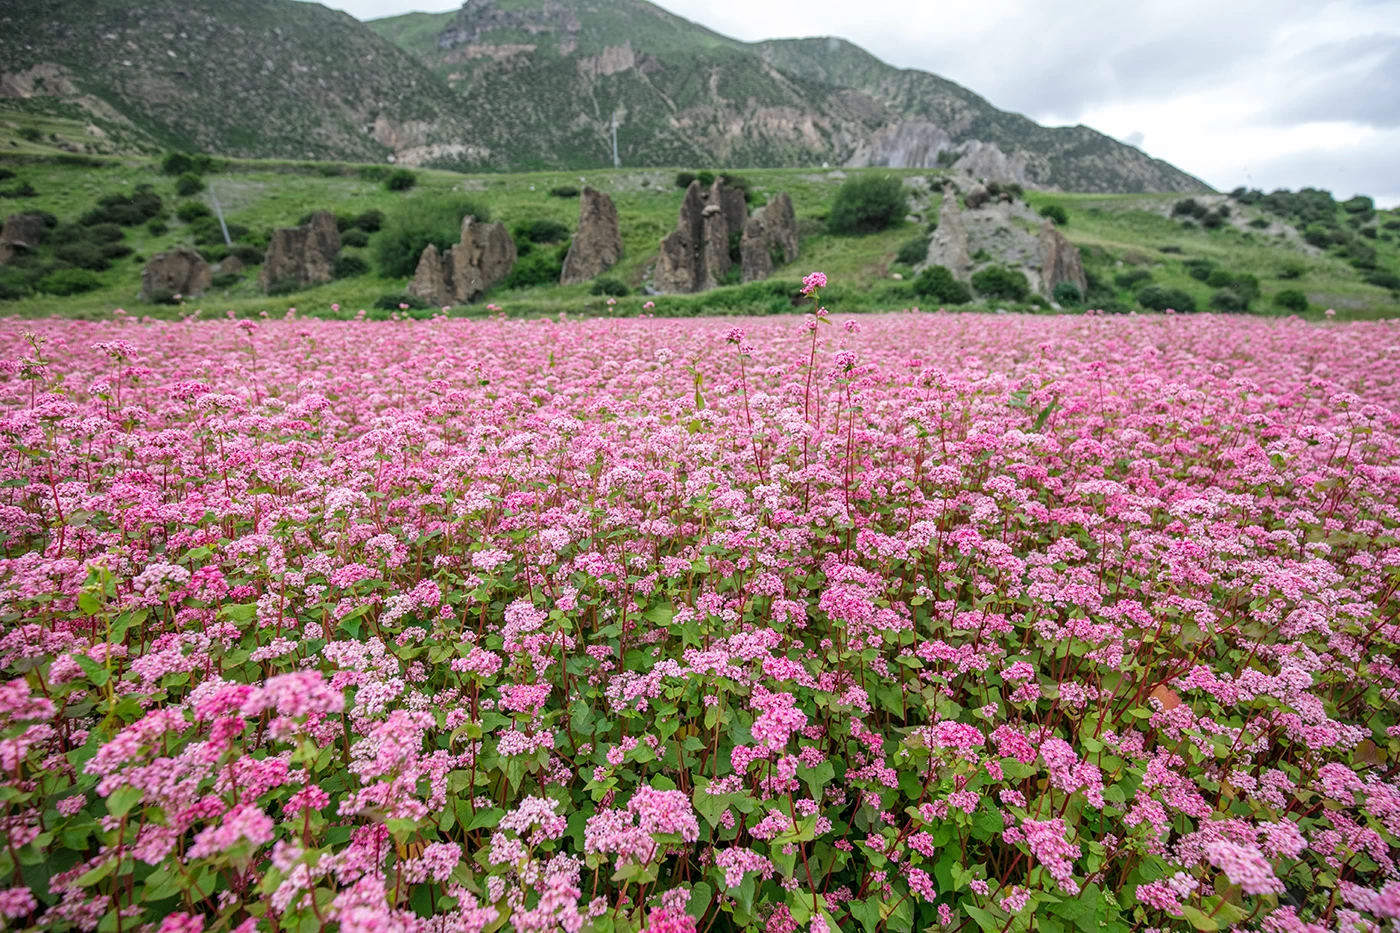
1117, 233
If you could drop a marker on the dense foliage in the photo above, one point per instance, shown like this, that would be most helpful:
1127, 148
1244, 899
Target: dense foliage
408, 231
917, 622
868, 204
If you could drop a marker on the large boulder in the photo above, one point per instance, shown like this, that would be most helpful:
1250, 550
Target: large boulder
304, 255
428, 281
597, 245
1059, 260
22, 232
695, 256
976, 196
481, 259
179, 271
770, 232
948, 245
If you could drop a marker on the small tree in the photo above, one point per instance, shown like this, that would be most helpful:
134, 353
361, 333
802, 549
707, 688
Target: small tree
868, 204
1000, 282
1056, 213
938, 283
1291, 299
400, 179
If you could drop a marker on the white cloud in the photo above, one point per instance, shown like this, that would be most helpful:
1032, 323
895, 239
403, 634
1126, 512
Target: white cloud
1267, 93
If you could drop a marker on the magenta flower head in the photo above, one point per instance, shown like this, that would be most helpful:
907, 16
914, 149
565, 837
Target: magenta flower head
403, 307
334, 307
735, 335
812, 282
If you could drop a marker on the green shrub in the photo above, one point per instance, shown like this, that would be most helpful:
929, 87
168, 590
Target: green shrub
1189, 207
1246, 285
409, 229
104, 233
84, 255
1368, 232
250, 255
68, 233
225, 279
1383, 278
181, 163
868, 204
115, 250
6, 174
706, 178
354, 237
188, 185
207, 231
610, 286
1067, 293
540, 267
1292, 270
563, 191
683, 179
1316, 235
70, 282
125, 211
939, 284
191, 211
215, 253
1130, 278
393, 300
1157, 298
10, 291
374, 173
1359, 205
1220, 278
328, 170
157, 228
370, 221
1056, 213
25, 190
1199, 269
1259, 223
1000, 282
1228, 300
1114, 306
1291, 299
912, 252
400, 179
1214, 220
347, 267
541, 231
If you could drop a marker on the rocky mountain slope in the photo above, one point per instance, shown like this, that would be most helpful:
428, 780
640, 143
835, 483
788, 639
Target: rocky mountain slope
520, 84
250, 78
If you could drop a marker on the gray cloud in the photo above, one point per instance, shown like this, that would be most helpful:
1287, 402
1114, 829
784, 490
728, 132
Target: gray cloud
1365, 168
1357, 80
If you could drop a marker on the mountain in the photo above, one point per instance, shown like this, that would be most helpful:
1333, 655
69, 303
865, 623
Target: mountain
249, 78
687, 95
519, 84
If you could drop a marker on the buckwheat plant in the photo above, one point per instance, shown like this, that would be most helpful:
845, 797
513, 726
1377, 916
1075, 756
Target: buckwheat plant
938, 622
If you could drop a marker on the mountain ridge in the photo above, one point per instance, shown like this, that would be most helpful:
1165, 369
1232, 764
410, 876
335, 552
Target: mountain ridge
509, 85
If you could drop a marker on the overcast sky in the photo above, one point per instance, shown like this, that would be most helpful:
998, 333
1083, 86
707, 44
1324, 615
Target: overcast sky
1265, 93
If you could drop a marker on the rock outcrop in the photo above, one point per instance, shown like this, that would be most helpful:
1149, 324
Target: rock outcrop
1059, 260
597, 246
695, 256
1002, 232
770, 232
304, 255
180, 271
976, 196
482, 258
21, 232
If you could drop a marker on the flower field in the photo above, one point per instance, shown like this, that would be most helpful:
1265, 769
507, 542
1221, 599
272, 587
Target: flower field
916, 622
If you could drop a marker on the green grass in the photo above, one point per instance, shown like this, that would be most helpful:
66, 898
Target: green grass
264, 195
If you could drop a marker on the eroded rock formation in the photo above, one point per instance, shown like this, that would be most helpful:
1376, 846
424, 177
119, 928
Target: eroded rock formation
179, 271
481, 259
304, 255
597, 246
770, 233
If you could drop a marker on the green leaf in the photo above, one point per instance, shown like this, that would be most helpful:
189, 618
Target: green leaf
123, 799
96, 673
1198, 919
700, 897
986, 921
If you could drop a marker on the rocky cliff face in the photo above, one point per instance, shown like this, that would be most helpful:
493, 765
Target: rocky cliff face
1002, 231
597, 246
304, 255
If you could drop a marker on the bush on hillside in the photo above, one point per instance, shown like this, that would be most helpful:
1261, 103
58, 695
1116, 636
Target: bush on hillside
125, 211
1227, 300
249, 254
540, 231
1199, 269
1056, 213
408, 231
69, 282
157, 228
912, 252
610, 286
370, 221
1002, 283
347, 267
1130, 278
1158, 298
104, 233
939, 284
1067, 293
188, 185
1213, 220
374, 173
1291, 299
1189, 207
354, 237
563, 191
83, 255
1292, 270
191, 211
868, 204
182, 163
115, 250
1383, 278
539, 267
400, 179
